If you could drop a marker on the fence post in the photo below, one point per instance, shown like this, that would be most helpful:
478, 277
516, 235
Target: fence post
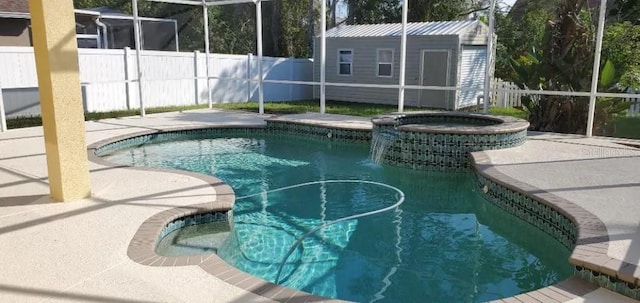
249, 76
128, 75
196, 72
3, 117
291, 64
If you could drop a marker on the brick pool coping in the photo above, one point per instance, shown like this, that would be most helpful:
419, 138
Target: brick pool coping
590, 250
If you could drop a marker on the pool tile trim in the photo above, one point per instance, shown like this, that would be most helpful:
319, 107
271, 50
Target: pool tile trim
324, 132
590, 234
591, 242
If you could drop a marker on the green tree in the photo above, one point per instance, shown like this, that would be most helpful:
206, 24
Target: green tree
442, 10
620, 45
561, 63
519, 35
552, 48
624, 10
373, 11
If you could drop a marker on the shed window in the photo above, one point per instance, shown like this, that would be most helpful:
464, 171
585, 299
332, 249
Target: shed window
345, 62
385, 62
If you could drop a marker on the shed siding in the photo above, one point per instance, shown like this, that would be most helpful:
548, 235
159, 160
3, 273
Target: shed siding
365, 67
476, 35
14, 32
472, 69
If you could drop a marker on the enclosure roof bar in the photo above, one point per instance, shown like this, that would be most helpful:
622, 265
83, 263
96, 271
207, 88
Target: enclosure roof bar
122, 17
187, 2
225, 2
86, 12
208, 3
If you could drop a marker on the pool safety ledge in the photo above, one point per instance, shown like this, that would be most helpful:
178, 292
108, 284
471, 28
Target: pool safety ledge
443, 140
142, 247
567, 222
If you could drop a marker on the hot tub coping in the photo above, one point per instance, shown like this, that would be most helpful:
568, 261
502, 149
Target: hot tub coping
503, 124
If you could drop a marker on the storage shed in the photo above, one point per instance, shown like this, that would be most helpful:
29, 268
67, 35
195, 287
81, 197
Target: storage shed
450, 53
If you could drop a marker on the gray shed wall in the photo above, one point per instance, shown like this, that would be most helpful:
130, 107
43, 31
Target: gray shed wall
365, 67
475, 36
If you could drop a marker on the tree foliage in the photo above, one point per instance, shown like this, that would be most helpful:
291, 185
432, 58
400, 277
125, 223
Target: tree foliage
389, 11
373, 11
232, 28
620, 45
439, 10
552, 48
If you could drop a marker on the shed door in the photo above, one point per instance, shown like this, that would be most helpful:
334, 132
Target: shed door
435, 72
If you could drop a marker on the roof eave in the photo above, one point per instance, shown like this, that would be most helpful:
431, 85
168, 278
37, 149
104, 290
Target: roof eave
14, 15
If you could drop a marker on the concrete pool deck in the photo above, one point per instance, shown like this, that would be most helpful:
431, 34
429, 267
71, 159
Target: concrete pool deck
77, 251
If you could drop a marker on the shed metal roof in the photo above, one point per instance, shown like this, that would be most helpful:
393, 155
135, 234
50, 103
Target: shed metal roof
442, 28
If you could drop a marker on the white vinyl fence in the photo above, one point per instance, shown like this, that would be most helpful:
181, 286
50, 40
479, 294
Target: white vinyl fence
168, 78
505, 94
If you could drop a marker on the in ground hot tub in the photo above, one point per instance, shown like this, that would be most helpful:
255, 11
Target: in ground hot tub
441, 140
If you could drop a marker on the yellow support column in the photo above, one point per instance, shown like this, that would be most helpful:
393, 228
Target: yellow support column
56, 50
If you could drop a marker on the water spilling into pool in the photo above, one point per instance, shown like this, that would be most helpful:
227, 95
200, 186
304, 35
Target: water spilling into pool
380, 142
444, 244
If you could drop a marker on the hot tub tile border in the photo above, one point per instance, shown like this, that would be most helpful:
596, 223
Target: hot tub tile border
425, 147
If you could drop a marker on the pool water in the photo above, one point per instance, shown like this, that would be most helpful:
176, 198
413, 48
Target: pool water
443, 244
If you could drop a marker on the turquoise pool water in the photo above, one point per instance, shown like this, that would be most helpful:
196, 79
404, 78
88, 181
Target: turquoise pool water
444, 243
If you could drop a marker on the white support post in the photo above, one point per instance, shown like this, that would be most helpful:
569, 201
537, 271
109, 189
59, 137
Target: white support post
197, 75
487, 69
175, 28
403, 55
323, 57
3, 116
205, 16
249, 76
259, 47
128, 76
136, 33
596, 68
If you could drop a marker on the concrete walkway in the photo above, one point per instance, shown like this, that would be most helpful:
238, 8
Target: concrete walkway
61, 252
597, 174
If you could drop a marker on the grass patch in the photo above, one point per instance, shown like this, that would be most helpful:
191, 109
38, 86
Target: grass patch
627, 127
279, 108
23, 122
508, 111
37, 121
299, 107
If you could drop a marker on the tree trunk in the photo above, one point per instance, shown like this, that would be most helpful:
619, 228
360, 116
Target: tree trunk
311, 26
332, 8
276, 28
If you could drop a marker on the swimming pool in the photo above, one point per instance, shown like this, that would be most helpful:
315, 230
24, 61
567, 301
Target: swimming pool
444, 244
